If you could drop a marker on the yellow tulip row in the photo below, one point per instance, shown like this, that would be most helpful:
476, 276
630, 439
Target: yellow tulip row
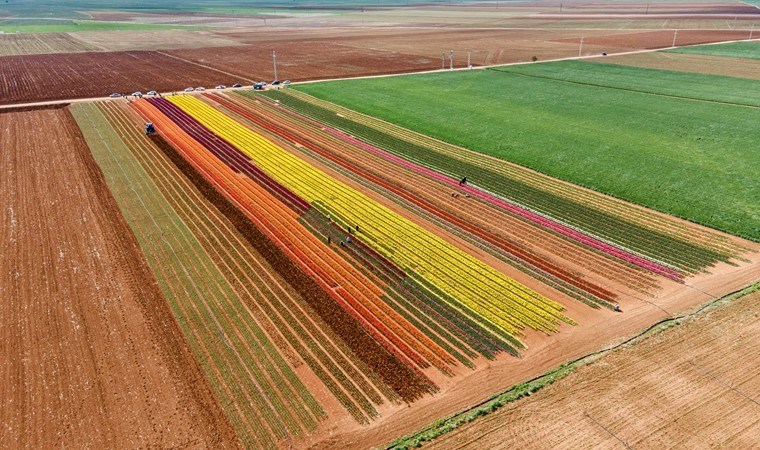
475, 285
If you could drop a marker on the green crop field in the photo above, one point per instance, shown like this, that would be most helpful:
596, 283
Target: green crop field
695, 159
749, 49
663, 82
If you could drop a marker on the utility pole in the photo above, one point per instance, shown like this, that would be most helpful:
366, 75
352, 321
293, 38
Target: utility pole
675, 34
750, 31
451, 60
469, 66
560, 7
647, 11
443, 60
274, 61
580, 49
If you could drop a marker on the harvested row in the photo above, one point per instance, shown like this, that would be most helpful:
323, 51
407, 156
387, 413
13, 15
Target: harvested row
341, 274
264, 399
476, 286
273, 225
474, 217
667, 243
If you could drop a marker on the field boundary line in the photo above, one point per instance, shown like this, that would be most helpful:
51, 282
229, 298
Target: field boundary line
517, 391
582, 83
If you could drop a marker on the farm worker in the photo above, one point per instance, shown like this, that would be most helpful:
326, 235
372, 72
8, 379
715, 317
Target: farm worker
342, 244
463, 181
357, 228
329, 241
348, 239
617, 308
349, 229
329, 218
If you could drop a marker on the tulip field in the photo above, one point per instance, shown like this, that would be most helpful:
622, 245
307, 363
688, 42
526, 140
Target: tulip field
324, 265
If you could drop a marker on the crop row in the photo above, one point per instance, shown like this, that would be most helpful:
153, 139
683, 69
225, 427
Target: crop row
368, 306
327, 272
258, 390
475, 285
370, 168
583, 221
624, 210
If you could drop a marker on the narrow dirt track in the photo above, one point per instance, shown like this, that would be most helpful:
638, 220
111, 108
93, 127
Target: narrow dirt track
92, 356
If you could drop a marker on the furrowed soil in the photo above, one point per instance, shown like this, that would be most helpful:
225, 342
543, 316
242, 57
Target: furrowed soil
92, 356
82, 75
693, 386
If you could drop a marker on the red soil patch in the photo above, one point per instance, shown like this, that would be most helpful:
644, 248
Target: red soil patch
82, 75
92, 356
307, 60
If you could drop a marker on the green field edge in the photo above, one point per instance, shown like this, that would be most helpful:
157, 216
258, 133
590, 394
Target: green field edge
518, 391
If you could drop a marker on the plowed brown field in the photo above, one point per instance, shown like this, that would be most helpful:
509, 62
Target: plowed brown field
91, 355
306, 60
81, 75
693, 386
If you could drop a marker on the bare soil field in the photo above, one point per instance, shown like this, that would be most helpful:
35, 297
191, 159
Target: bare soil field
42, 43
306, 60
693, 386
660, 39
116, 41
82, 75
312, 54
92, 356
713, 65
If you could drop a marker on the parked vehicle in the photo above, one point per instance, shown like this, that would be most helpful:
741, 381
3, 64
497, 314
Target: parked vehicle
237, 85
152, 93
115, 95
275, 82
200, 88
189, 89
221, 86
286, 82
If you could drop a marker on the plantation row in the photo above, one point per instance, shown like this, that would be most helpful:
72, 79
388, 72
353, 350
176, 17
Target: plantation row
489, 227
360, 295
475, 286
654, 243
243, 322
414, 307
